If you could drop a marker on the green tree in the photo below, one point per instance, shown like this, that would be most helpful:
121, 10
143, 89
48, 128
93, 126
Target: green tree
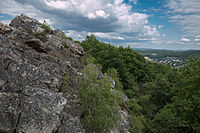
99, 102
183, 114
128, 63
136, 118
112, 72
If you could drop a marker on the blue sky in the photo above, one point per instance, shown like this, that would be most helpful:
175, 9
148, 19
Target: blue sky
157, 24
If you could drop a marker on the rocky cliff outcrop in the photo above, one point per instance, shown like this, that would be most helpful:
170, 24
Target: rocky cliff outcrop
33, 63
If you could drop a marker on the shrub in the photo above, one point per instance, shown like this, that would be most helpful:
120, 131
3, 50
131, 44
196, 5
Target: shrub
41, 35
112, 72
66, 82
70, 38
46, 27
65, 37
136, 118
99, 102
76, 41
64, 43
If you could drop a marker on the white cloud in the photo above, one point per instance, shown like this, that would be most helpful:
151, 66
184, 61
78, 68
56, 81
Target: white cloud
163, 35
98, 13
101, 13
113, 20
169, 42
148, 39
197, 40
185, 39
118, 38
117, 2
5, 21
47, 20
13, 8
76, 35
107, 35
185, 13
197, 36
58, 4
91, 16
160, 26
134, 1
151, 31
128, 20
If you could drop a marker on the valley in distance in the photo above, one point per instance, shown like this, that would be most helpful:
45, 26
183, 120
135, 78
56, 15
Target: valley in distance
176, 58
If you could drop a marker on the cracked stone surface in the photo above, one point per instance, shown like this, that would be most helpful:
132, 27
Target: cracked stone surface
31, 73
32, 67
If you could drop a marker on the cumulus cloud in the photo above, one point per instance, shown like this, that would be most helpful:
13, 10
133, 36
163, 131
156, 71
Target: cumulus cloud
107, 35
185, 40
109, 19
197, 36
197, 40
5, 21
134, 1
151, 31
147, 39
101, 13
169, 42
186, 14
58, 4
160, 26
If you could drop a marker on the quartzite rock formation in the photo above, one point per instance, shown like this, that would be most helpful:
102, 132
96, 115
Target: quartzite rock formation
33, 63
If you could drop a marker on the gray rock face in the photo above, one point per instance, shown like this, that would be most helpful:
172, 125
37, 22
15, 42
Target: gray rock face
32, 67
39, 110
26, 23
31, 73
123, 126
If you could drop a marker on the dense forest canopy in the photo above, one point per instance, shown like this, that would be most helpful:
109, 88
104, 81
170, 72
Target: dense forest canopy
161, 98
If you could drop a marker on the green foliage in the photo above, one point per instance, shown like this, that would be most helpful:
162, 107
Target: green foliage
182, 115
128, 63
70, 38
40, 35
89, 59
136, 118
112, 72
65, 37
64, 43
162, 98
46, 27
99, 102
76, 41
66, 82
136, 123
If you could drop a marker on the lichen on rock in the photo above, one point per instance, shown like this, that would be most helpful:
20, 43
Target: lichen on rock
31, 72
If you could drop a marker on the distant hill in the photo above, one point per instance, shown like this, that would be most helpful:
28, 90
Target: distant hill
175, 58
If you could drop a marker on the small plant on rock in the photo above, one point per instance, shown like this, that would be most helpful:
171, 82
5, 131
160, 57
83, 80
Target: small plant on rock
46, 27
66, 82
